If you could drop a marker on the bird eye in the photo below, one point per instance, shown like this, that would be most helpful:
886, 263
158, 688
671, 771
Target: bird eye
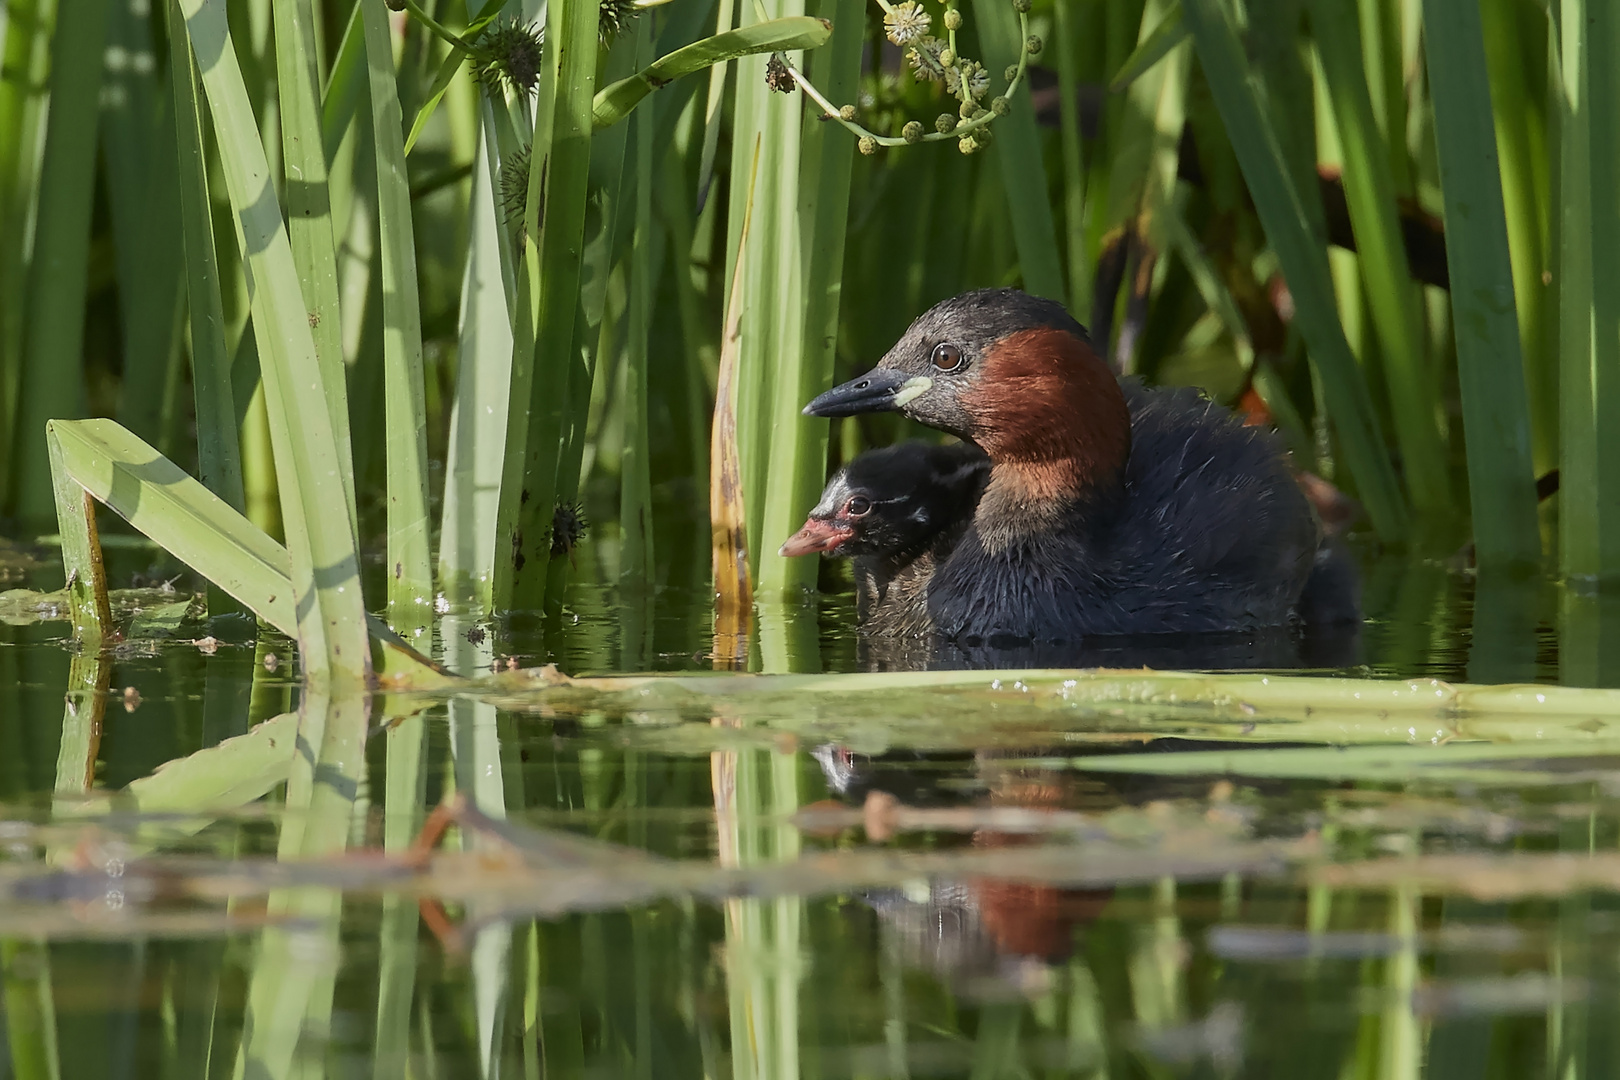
858, 506
947, 357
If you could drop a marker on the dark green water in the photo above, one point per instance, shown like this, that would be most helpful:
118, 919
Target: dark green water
1199, 924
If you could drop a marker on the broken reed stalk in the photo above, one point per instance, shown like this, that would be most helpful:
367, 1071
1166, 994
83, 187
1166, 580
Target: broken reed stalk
1245, 693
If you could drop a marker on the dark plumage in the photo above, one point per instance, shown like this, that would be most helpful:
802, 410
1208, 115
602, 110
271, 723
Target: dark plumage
1110, 508
897, 512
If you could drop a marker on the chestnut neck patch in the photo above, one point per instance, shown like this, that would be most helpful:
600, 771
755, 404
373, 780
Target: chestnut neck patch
1052, 418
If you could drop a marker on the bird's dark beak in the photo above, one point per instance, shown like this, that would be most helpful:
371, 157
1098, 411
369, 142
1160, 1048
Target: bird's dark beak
879, 390
817, 535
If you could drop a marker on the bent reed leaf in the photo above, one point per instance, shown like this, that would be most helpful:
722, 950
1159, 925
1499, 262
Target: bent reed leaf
613, 103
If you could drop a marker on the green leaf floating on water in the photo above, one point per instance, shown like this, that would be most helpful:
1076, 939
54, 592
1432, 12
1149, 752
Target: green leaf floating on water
165, 620
613, 103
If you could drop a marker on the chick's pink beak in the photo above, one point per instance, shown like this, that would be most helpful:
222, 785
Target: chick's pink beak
817, 535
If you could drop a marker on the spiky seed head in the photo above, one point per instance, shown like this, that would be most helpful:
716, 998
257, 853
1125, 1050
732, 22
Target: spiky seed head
515, 186
947, 58
967, 109
945, 123
912, 132
568, 528
953, 19
847, 113
777, 76
999, 106
615, 16
1033, 45
924, 57
508, 52
868, 145
1010, 74
967, 144
906, 22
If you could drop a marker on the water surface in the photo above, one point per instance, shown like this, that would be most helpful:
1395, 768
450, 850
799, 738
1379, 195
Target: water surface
801, 887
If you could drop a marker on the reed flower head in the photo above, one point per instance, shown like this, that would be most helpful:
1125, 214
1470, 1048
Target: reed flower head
953, 19
846, 113
924, 56
868, 145
969, 74
912, 132
906, 22
508, 52
945, 123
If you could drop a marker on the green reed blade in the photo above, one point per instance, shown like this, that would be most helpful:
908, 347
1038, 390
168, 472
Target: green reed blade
346, 85
1490, 370
547, 298
804, 367
613, 103
713, 106
1169, 32
1590, 296
290, 989
1369, 189
52, 374
405, 792
1136, 136
477, 444
219, 454
771, 268
311, 460
1017, 150
30, 1010
1513, 34
81, 549
1579, 508
1283, 216
594, 363
1288, 96
448, 67
183, 517
25, 56
410, 572
1074, 173
636, 561
309, 209
1206, 279
138, 145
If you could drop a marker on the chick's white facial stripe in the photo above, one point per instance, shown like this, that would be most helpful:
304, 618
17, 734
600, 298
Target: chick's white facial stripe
912, 389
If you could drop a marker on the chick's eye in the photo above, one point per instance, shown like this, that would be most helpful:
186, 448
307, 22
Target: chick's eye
947, 357
858, 506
